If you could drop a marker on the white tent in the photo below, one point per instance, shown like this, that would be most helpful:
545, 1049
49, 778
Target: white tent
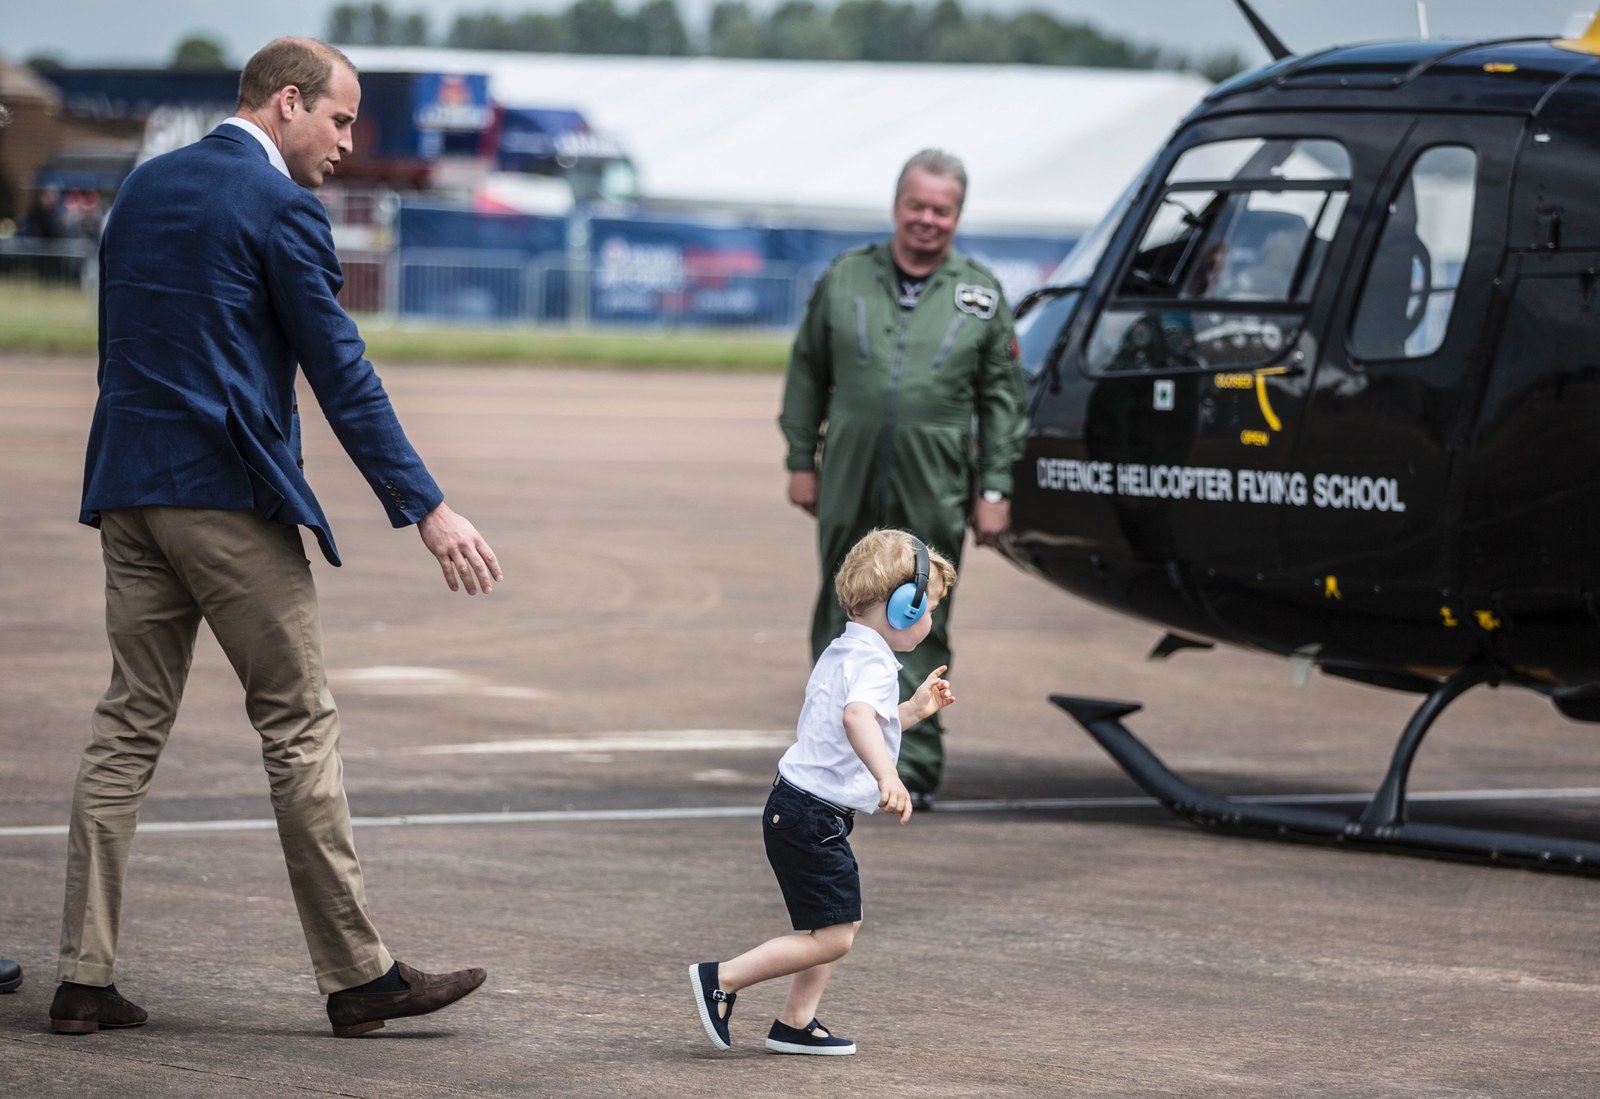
1045, 148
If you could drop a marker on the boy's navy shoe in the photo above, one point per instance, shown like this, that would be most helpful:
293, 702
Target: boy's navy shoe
783, 1038
703, 979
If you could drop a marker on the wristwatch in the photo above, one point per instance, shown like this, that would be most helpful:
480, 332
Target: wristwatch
993, 496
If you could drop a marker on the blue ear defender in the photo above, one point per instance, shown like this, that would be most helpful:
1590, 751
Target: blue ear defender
909, 602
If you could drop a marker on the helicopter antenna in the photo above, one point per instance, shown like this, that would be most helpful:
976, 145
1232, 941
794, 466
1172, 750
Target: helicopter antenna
1269, 41
1422, 19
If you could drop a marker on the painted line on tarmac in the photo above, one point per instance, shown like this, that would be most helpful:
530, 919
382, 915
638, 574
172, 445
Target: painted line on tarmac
663, 740
714, 812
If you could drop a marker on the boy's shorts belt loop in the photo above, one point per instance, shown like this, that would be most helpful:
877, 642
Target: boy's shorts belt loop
781, 781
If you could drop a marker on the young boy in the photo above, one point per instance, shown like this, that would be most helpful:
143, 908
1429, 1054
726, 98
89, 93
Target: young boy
842, 762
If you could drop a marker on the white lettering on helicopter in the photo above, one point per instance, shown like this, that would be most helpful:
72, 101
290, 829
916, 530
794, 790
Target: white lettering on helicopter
1174, 482
1337, 491
1075, 476
1272, 486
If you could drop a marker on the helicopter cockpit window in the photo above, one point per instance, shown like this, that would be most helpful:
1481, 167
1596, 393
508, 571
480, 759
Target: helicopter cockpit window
1223, 273
1411, 282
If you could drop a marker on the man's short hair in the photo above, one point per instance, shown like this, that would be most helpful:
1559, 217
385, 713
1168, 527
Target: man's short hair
880, 563
936, 162
304, 62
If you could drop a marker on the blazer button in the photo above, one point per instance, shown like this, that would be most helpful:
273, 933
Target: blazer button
301, 462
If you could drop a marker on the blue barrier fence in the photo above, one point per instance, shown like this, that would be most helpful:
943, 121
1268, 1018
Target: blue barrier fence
457, 265
462, 265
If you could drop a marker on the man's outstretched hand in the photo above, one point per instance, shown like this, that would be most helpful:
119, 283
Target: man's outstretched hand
460, 550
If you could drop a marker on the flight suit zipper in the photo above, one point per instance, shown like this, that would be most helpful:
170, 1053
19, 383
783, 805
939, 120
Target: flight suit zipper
886, 440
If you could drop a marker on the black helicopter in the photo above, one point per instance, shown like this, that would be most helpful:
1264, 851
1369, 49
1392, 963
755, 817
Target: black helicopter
1326, 384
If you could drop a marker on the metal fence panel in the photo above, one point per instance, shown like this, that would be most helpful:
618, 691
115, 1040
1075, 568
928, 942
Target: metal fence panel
474, 285
48, 262
565, 291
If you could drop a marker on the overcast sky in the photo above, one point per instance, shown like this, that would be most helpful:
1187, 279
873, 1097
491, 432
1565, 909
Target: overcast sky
144, 32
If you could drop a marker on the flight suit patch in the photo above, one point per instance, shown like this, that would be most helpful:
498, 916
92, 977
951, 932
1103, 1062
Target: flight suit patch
980, 301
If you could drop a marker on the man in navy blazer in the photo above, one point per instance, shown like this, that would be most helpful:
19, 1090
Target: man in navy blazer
218, 283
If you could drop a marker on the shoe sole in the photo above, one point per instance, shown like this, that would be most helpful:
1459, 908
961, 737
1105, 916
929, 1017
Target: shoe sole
366, 1026
775, 1046
357, 1029
86, 1026
705, 1009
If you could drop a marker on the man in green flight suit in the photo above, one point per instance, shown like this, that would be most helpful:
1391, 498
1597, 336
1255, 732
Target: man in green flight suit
904, 406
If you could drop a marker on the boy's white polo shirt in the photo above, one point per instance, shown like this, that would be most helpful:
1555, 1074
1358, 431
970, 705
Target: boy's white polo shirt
858, 666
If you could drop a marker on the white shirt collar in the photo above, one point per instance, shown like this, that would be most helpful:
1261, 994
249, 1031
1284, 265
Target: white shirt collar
871, 637
266, 142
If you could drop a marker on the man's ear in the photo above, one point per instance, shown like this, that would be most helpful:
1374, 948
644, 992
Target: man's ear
289, 101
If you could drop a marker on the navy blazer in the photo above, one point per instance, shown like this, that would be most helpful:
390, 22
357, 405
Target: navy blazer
217, 278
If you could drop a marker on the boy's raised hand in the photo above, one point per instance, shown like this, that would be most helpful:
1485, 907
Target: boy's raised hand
934, 694
893, 797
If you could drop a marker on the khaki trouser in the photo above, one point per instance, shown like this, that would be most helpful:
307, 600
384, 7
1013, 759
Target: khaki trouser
166, 569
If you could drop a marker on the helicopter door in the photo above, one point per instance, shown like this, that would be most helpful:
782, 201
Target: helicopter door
1385, 405
1530, 498
1219, 292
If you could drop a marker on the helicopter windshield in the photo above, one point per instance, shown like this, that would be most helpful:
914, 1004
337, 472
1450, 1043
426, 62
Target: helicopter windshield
1080, 263
1222, 275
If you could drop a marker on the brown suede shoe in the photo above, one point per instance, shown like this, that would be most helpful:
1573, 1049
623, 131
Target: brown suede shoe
353, 1013
83, 1009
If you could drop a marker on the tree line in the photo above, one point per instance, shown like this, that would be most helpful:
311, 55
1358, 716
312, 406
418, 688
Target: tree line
852, 30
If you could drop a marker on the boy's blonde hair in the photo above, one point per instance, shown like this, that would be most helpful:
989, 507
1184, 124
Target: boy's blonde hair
880, 563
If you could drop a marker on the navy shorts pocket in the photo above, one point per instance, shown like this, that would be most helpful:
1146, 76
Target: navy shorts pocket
785, 810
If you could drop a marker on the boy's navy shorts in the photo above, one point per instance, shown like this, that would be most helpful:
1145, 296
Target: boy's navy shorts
811, 856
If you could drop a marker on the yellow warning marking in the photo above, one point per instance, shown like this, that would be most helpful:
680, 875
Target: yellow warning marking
1261, 395
1330, 587
1487, 620
1448, 618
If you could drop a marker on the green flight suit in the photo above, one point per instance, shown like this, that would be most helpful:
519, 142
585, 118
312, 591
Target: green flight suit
906, 414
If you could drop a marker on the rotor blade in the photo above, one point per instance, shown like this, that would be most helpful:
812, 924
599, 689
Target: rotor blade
1269, 41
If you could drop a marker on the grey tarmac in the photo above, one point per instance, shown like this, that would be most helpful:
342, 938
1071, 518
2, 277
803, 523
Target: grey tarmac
561, 782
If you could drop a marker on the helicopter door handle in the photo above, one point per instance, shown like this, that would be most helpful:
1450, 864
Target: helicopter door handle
1294, 368
1261, 377
1283, 370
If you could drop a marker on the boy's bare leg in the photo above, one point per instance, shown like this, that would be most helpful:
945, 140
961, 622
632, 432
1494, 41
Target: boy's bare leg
788, 954
805, 993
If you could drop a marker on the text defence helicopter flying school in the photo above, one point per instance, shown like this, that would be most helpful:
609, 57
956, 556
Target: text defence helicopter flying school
1329, 387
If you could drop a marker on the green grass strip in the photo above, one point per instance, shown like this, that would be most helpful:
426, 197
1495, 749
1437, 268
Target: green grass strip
61, 320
